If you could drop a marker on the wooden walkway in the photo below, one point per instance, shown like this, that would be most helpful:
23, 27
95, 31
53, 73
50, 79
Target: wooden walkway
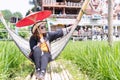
55, 71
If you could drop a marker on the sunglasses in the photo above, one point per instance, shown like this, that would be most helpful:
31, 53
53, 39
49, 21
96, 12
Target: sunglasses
41, 27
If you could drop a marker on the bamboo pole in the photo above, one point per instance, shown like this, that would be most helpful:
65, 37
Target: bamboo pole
80, 14
84, 6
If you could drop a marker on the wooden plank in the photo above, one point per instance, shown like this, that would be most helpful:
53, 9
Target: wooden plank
55, 71
64, 73
48, 75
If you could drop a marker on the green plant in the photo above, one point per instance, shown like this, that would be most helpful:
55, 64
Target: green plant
12, 62
23, 33
95, 58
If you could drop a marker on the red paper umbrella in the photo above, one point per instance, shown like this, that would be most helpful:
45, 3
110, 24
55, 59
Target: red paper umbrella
33, 18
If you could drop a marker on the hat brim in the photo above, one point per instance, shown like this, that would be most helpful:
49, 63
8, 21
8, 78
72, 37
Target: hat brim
37, 24
33, 18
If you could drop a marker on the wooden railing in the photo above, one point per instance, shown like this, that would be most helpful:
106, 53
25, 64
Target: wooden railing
66, 4
69, 16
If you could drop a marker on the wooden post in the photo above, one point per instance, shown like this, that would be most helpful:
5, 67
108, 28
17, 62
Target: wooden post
110, 22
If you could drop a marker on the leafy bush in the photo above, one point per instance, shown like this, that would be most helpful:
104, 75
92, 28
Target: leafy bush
23, 33
3, 33
1, 26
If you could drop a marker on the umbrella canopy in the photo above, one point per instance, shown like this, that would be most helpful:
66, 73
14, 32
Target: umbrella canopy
33, 18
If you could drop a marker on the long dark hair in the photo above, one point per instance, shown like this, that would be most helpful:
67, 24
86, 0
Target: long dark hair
36, 33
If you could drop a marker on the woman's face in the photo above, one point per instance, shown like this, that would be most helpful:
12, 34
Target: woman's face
42, 28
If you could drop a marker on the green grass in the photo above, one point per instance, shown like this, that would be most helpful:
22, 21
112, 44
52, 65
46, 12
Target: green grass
12, 62
95, 58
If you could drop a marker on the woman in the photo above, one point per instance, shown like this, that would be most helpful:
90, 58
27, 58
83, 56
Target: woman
40, 46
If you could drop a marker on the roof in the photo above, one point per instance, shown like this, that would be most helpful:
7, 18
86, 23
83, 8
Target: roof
117, 8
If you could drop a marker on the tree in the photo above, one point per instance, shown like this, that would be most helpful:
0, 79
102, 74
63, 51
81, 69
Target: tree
110, 20
39, 2
17, 14
8, 17
37, 5
7, 14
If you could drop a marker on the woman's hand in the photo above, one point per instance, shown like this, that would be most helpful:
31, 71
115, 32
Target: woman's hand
38, 44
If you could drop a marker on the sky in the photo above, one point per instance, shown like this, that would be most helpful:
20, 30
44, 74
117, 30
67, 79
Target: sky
21, 6
117, 1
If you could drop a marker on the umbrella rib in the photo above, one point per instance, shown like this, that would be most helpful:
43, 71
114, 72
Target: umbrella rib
33, 19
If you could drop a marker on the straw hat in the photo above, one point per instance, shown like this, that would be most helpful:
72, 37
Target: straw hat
35, 26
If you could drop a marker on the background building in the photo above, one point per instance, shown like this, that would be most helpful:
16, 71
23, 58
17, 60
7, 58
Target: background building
94, 21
